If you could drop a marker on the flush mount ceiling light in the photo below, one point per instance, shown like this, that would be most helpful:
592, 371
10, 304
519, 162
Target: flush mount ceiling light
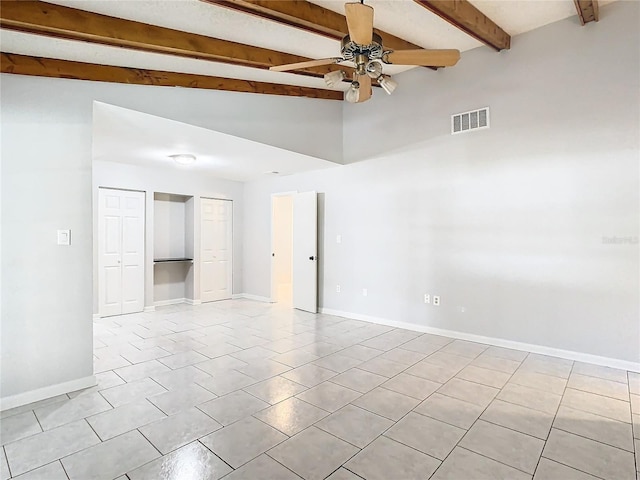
363, 48
183, 158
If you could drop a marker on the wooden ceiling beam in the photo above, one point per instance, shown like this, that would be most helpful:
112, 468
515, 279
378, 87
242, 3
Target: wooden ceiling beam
463, 15
69, 23
587, 10
49, 67
308, 17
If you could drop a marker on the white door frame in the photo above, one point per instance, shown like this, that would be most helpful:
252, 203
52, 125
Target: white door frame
200, 242
272, 293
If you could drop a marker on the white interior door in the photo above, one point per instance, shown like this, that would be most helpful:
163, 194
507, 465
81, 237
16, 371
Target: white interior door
120, 252
216, 249
132, 251
305, 255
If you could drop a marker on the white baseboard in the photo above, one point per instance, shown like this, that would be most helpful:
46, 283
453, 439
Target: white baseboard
43, 393
151, 308
498, 342
192, 302
96, 316
173, 301
249, 296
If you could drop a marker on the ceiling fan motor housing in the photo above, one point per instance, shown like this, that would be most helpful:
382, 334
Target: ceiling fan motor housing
372, 51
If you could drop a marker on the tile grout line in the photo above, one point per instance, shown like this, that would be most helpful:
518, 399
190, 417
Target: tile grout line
212, 452
96, 434
598, 414
152, 444
475, 421
391, 426
38, 420
555, 415
64, 469
6, 459
324, 431
279, 463
633, 439
574, 468
592, 440
395, 422
351, 471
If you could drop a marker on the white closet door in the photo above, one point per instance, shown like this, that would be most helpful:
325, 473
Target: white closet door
132, 252
216, 249
120, 252
305, 256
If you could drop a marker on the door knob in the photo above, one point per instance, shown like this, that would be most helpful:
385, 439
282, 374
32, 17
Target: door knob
311, 257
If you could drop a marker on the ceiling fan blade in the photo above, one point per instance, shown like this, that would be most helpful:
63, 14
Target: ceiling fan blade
426, 58
365, 88
307, 64
359, 22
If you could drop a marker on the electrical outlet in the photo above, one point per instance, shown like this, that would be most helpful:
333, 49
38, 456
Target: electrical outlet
338, 238
436, 300
337, 288
364, 292
427, 298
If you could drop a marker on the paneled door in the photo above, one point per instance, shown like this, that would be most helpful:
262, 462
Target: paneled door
120, 251
216, 249
305, 255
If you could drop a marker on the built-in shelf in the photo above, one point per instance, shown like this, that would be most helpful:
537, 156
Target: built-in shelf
173, 247
169, 260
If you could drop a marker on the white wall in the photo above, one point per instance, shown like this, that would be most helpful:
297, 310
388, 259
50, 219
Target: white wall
47, 335
46, 329
505, 224
170, 225
179, 182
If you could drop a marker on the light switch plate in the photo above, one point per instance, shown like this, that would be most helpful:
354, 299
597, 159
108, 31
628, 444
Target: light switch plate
64, 237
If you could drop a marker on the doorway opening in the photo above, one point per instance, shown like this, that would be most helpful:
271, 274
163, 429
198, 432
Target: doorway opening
294, 245
282, 249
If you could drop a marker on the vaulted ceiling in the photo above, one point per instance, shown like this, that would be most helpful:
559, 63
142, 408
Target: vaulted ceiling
230, 44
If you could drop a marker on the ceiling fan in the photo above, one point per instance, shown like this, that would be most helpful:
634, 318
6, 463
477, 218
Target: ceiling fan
363, 47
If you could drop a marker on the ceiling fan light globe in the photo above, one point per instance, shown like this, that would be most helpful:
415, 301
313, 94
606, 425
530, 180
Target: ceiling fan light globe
353, 94
334, 78
374, 69
388, 84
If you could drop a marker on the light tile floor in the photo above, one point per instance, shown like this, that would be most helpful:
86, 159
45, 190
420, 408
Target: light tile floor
246, 390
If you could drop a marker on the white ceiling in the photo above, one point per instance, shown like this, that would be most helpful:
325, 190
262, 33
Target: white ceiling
126, 136
403, 18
